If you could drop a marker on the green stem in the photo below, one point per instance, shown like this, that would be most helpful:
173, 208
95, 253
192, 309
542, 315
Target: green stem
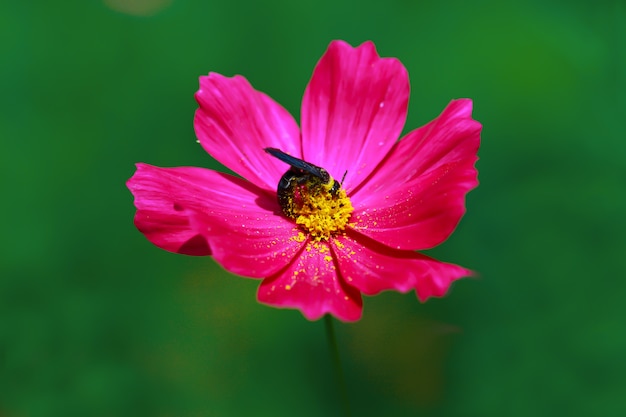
334, 353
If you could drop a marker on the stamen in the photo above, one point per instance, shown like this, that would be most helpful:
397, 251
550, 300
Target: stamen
321, 208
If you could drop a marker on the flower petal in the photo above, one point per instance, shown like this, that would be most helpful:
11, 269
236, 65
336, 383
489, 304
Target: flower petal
241, 224
372, 268
416, 197
353, 110
235, 122
312, 285
170, 230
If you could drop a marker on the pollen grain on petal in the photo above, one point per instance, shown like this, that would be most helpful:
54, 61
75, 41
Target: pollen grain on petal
300, 237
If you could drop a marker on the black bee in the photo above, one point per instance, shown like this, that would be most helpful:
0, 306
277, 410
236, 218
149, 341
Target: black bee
300, 173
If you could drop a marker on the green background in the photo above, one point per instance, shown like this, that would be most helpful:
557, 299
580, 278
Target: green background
95, 321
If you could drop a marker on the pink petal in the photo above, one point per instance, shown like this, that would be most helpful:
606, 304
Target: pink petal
177, 207
170, 230
235, 122
416, 197
372, 268
353, 110
312, 285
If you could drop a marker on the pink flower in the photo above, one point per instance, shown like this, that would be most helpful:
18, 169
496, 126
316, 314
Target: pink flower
402, 196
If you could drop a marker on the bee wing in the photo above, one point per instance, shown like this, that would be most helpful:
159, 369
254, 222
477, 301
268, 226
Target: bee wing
297, 163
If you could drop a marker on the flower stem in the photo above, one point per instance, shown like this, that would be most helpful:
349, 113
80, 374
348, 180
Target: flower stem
334, 353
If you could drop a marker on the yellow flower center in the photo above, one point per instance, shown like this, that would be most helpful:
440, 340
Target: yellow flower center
322, 209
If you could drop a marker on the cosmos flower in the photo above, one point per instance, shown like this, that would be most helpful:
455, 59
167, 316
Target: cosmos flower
333, 237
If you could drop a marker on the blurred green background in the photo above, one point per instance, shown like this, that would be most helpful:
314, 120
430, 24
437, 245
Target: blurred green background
95, 321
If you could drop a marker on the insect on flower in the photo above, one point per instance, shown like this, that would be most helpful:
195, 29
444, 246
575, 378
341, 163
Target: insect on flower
300, 178
316, 243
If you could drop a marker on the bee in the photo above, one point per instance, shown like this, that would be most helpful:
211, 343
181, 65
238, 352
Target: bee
300, 174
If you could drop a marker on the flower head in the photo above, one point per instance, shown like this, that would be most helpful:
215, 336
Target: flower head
318, 242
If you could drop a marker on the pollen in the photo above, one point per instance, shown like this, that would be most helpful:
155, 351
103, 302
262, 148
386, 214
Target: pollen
320, 209
300, 237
